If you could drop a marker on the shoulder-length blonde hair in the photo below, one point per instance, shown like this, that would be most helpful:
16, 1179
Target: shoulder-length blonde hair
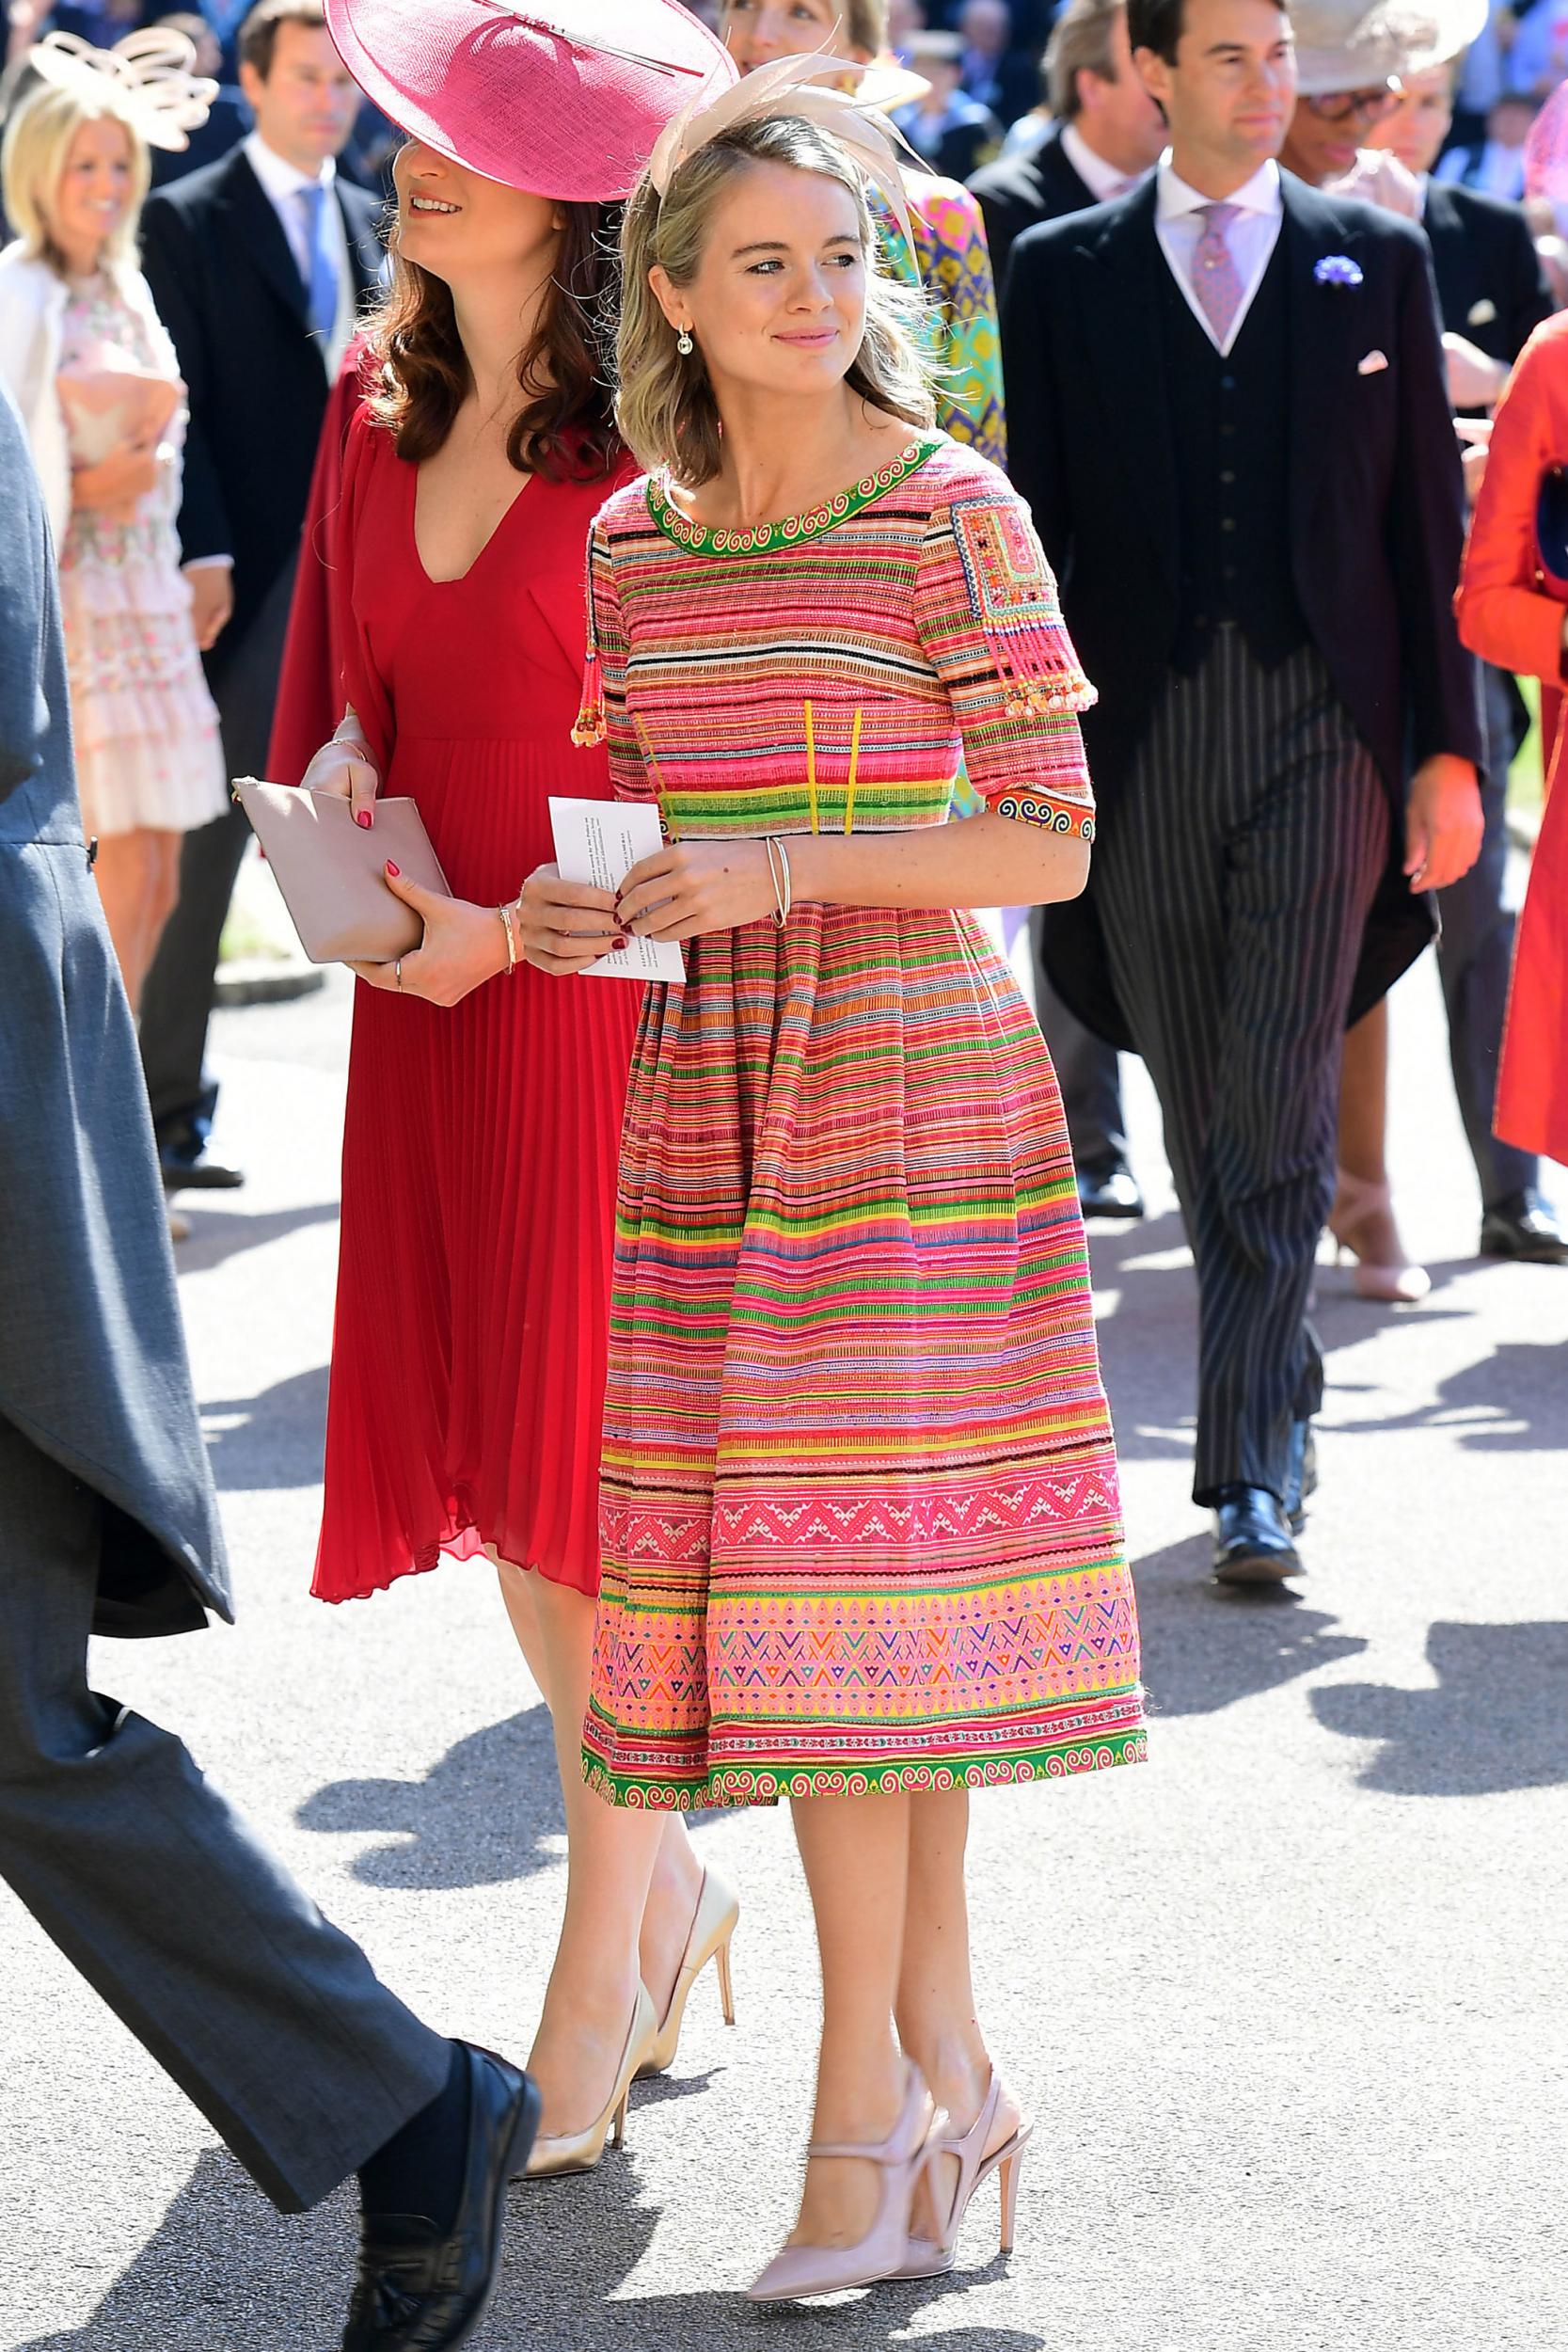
665, 406
37, 141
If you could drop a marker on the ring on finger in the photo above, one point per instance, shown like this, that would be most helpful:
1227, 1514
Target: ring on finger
397, 973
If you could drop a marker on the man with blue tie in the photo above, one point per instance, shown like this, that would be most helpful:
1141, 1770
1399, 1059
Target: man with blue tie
257, 265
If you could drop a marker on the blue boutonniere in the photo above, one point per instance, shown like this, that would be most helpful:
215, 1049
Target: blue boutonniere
1337, 269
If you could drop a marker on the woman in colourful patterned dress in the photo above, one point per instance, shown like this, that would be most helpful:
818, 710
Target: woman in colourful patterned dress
860, 1522
948, 255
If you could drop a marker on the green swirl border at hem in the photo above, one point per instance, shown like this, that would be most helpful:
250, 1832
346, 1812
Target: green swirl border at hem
765, 1784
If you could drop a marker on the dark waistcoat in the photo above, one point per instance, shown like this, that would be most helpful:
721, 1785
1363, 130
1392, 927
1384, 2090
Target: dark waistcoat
1230, 421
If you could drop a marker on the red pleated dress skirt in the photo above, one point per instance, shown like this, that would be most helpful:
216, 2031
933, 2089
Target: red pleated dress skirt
480, 1143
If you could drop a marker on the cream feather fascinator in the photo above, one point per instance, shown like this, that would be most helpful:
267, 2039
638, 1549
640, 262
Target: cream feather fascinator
805, 86
146, 78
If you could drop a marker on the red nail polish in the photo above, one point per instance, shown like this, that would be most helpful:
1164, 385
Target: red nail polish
621, 943
394, 870
362, 816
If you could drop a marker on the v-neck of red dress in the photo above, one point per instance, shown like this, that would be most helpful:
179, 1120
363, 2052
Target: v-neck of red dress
457, 579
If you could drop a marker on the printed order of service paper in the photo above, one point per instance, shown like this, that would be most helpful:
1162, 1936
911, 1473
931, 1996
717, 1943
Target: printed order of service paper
598, 842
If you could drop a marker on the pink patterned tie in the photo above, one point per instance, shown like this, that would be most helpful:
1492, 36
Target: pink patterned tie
1215, 281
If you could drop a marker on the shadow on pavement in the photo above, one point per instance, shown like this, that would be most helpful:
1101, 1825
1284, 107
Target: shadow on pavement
1513, 1399
277, 1440
479, 1818
1206, 1645
1494, 1722
1147, 1350
217, 1234
225, 2273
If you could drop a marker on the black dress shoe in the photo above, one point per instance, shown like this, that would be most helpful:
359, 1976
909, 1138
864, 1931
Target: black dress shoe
1109, 1192
1252, 1543
1301, 1473
423, 2290
189, 1165
1523, 1226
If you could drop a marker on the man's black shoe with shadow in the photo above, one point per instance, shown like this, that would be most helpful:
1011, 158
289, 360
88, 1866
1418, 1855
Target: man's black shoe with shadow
1252, 1541
426, 2277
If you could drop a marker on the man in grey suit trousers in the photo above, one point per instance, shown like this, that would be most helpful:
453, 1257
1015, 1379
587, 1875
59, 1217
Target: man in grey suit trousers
263, 2013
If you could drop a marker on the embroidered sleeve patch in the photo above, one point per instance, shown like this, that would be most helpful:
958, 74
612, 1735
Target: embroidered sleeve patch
1010, 586
1013, 600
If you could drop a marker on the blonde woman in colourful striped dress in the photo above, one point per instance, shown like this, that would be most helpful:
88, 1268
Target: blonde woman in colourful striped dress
860, 1522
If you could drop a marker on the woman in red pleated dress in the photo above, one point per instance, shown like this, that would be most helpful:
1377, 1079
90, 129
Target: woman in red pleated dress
486, 1095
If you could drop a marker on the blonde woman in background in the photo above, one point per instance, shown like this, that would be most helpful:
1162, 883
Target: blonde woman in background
94, 377
950, 259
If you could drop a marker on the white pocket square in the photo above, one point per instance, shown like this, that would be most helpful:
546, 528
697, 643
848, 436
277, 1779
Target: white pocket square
1373, 364
1482, 313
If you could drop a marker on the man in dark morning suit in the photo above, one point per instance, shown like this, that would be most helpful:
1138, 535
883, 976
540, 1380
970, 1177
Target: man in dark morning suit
267, 2017
1106, 132
1227, 409
1492, 295
257, 265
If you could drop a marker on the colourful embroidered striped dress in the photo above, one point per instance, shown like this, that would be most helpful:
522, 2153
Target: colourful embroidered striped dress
859, 1509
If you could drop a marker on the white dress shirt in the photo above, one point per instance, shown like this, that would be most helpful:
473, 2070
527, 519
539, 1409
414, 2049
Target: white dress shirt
1252, 237
281, 184
1102, 179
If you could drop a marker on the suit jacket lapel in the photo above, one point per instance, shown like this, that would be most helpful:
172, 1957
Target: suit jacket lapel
1327, 336
260, 233
1122, 317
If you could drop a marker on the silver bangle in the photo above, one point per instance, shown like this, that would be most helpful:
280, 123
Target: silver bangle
784, 894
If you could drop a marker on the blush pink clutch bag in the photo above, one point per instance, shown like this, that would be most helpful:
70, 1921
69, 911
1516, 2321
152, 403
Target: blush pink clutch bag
330, 869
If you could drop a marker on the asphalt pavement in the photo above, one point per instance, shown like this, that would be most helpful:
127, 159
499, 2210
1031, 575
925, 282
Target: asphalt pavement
1288, 2002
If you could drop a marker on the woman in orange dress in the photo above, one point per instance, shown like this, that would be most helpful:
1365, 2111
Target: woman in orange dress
1513, 609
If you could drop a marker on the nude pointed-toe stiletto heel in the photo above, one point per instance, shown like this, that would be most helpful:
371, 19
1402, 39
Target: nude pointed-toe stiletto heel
925, 2259
800, 2271
579, 2152
1355, 1199
713, 1928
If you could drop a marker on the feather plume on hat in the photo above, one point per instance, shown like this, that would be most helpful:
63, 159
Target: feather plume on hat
146, 79
802, 86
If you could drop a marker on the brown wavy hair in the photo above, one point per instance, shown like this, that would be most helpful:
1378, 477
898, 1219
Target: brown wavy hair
417, 374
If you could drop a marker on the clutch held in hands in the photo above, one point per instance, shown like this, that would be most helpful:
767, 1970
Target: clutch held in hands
331, 871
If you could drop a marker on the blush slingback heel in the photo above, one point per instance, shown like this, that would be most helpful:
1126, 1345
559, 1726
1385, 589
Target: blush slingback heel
924, 2259
903, 2157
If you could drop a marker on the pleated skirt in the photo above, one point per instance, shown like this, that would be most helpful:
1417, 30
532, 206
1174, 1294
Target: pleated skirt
480, 1151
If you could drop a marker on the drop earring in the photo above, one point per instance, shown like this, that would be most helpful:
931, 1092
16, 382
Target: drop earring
684, 343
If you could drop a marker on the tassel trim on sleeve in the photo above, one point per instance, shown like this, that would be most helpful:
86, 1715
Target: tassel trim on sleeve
1012, 596
591, 724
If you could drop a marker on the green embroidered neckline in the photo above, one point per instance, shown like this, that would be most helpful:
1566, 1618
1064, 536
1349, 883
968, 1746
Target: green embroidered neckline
762, 537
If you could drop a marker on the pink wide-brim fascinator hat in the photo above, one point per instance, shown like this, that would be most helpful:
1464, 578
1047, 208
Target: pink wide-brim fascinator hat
565, 99
1546, 151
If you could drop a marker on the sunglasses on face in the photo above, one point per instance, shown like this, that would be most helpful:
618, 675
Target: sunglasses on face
1368, 106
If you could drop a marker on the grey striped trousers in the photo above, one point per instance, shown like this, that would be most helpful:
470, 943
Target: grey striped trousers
1234, 879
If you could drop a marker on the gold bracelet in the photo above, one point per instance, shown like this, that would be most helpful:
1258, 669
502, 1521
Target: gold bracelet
505, 914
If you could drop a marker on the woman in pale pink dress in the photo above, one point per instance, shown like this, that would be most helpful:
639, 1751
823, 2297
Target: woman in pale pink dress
94, 374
